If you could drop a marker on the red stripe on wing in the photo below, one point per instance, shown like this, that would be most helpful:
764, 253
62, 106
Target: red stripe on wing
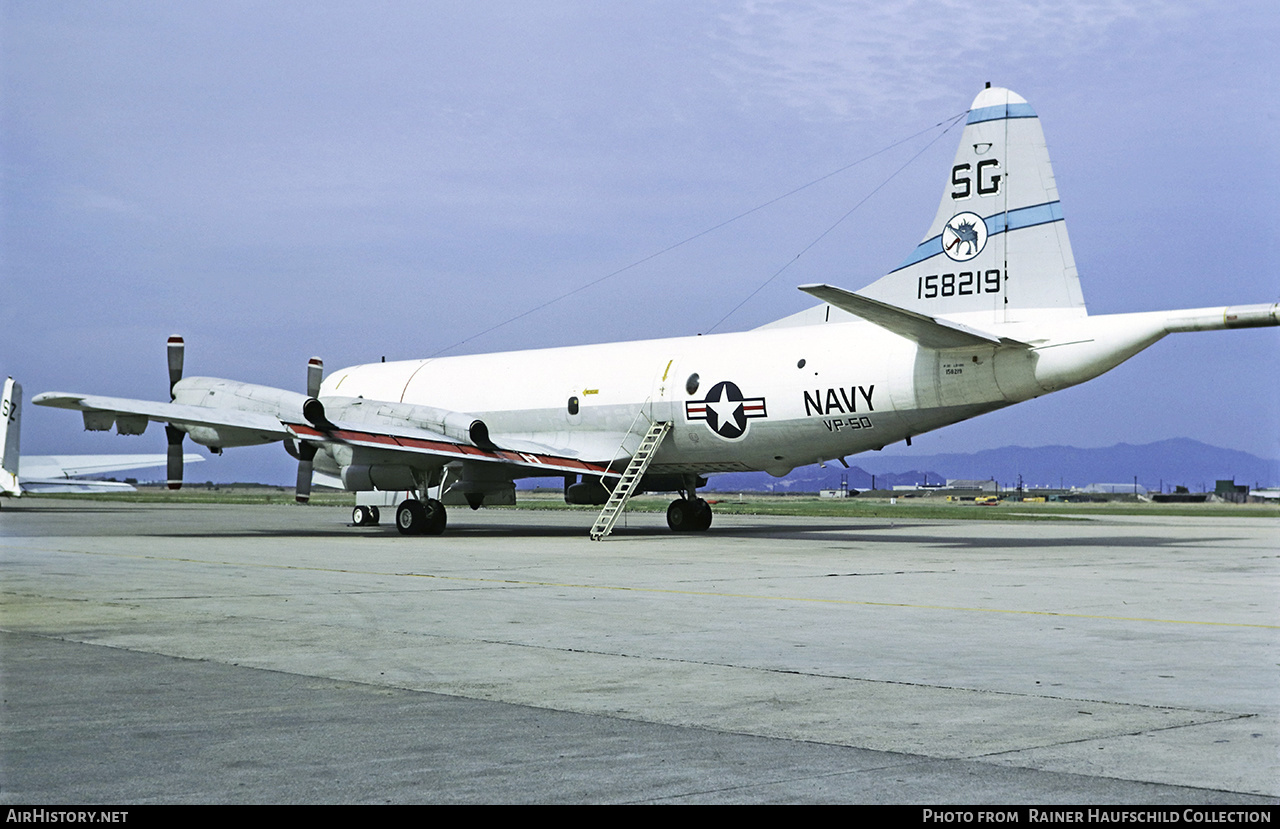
457, 450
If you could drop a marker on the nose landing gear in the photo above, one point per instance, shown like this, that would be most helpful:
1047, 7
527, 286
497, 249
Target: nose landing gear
363, 516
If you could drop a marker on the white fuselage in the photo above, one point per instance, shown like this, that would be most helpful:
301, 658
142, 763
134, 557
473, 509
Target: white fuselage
810, 393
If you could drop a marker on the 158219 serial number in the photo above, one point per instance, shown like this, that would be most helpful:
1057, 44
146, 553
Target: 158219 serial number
964, 283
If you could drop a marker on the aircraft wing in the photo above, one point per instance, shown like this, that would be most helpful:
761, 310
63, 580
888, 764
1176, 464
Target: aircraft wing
260, 423
396, 433
61, 473
73, 485
930, 332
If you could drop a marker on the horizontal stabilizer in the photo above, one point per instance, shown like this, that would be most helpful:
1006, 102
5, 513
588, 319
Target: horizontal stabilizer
62, 467
929, 332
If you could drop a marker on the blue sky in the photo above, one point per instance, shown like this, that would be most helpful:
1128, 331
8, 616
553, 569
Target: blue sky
277, 180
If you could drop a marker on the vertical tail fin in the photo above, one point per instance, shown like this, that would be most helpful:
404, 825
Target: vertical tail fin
997, 250
10, 432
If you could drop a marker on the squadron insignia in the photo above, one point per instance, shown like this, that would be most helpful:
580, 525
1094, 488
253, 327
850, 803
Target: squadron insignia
964, 236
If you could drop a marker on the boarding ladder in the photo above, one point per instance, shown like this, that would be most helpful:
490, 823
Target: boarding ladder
630, 479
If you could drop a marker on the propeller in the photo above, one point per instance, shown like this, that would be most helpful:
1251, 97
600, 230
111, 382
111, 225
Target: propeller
315, 374
174, 435
306, 452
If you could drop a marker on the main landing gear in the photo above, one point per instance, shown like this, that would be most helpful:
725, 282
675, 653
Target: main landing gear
415, 517
365, 516
689, 514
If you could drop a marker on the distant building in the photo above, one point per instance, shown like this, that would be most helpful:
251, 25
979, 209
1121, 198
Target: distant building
1231, 491
1116, 489
979, 486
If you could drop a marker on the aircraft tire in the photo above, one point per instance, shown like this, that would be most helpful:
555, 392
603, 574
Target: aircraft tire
436, 518
679, 516
411, 517
701, 515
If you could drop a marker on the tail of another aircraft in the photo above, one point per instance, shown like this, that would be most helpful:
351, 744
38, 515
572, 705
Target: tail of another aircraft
997, 251
10, 432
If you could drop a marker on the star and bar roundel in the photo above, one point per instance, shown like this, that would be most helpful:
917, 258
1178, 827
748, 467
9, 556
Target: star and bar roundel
725, 410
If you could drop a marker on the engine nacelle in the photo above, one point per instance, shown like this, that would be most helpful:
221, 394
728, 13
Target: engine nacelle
386, 477
356, 410
214, 392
